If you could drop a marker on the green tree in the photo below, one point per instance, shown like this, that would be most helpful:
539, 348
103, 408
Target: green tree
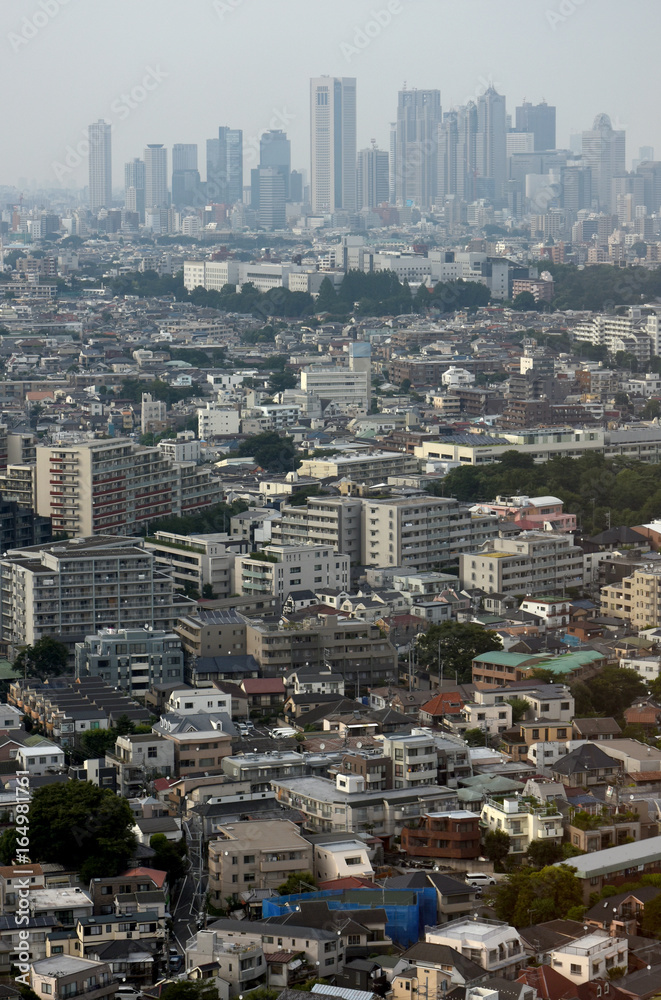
519, 708
525, 302
169, 856
279, 381
459, 643
95, 743
190, 989
82, 827
297, 883
47, 658
651, 409
475, 737
609, 693
208, 592
274, 453
496, 846
542, 853
326, 300
531, 897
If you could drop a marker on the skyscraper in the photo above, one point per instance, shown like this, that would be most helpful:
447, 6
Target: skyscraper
156, 176
100, 165
457, 136
185, 175
416, 147
275, 151
134, 187
603, 150
491, 145
271, 212
538, 119
333, 143
225, 167
372, 180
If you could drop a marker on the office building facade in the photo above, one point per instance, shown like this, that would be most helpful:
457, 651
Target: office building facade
333, 143
100, 165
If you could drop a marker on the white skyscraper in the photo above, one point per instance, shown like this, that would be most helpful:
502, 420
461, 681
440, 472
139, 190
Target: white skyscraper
156, 176
603, 149
100, 165
333, 143
416, 147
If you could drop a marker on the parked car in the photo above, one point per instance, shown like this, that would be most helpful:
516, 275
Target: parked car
480, 879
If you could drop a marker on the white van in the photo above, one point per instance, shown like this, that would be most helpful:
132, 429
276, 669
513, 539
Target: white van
281, 734
479, 879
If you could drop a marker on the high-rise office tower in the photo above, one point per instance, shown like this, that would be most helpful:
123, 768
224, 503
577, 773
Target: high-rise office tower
100, 165
134, 187
372, 180
156, 176
185, 175
491, 145
576, 187
457, 137
416, 147
333, 143
275, 151
225, 167
392, 150
538, 119
271, 211
603, 150
650, 171
296, 186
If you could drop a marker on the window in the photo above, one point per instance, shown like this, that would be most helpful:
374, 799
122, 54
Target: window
575, 969
249, 859
152, 752
46, 988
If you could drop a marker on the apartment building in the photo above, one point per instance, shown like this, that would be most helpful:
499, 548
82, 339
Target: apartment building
116, 486
137, 759
349, 390
636, 598
421, 532
280, 569
71, 588
213, 633
199, 742
62, 977
217, 420
256, 855
197, 561
365, 467
454, 834
331, 521
131, 659
531, 563
193, 701
352, 648
493, 944
524, 820
414, 758
643, 443
590, 957
346, 804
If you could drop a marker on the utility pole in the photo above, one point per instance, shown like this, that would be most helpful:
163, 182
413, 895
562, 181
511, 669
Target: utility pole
440, 668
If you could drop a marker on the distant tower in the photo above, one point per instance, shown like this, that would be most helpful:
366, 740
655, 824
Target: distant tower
156, 176
604, 152
538, 119
372, 181
491, 145
185, 175
333, 143
100, 165
360, 360
416, 147
225, 167
134, 187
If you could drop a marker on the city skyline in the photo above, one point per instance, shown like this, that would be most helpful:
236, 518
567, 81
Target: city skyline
149, 95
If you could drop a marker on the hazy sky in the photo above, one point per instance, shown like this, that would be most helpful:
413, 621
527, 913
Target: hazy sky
247, 64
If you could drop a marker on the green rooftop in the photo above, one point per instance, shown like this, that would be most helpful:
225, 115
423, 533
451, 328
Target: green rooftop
570, 661
499, 656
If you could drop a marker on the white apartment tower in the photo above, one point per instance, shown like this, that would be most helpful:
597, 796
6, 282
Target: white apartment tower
333, 143
100, 165
156, 176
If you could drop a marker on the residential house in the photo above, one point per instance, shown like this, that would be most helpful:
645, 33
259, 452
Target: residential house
585, 766
492, 944
524, 819
256, 855
443, 835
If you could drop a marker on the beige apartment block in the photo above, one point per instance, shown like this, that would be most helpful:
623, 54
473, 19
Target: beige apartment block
636, 598
256, 855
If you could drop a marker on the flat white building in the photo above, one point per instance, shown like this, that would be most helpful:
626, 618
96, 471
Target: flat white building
493, 944
279, 569
216, 420
341, 859
340, 386
591, 957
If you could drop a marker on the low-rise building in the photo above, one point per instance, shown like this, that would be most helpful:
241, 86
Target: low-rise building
280, 569
591, 957
256, 855
534, 562
197, 561
616, 864
341, 858
137, 759
524, 820
131, 659
199, 742
492, 944
454, 834
64, 976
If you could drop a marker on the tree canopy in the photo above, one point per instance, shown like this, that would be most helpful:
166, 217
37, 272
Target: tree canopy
47, 658
275, 454
211, 519
531, 897
590, 486
81, 826
459, 642
609, 693
190, 989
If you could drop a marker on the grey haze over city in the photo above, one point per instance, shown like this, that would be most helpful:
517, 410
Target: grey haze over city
164, 71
